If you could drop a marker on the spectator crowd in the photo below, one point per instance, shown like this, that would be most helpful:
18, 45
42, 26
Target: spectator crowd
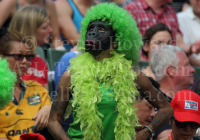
31, 30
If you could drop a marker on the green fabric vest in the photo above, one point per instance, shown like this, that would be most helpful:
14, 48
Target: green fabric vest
107, 107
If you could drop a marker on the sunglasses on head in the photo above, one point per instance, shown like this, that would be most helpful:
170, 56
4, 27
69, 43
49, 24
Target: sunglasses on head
193, 125
29, 57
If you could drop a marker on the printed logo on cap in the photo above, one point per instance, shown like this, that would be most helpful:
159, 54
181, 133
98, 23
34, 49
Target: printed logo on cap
191, 105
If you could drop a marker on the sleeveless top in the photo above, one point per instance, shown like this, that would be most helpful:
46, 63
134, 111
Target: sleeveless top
77, 17
107, 107
7, 22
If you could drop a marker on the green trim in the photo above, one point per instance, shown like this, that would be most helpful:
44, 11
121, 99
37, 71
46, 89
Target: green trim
21, 96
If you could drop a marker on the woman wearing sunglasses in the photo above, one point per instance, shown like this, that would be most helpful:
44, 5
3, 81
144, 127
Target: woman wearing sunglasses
33, 23
186, 120
30, 106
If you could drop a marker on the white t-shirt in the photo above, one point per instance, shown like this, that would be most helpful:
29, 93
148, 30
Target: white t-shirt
189, 25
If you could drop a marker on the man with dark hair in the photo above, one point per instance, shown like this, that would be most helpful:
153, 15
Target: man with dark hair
145, 112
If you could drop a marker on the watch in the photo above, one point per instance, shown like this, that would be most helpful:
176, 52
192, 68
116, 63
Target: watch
150, 130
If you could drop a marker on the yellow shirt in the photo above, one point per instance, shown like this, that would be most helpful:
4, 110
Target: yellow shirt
16, 118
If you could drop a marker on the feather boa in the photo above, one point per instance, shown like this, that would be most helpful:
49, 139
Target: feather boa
87, 74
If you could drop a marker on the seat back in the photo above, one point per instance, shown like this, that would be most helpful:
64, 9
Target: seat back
142, 64
40, 52
53, 56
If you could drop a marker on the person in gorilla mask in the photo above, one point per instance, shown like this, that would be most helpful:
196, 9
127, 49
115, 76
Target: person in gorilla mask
101, 84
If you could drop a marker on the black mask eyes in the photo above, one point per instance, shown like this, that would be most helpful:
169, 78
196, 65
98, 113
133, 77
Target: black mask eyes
100, 29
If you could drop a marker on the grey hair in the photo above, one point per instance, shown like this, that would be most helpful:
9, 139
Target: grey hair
162, 57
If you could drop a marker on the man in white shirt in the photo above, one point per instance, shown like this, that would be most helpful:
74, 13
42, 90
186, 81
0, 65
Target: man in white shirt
189, 23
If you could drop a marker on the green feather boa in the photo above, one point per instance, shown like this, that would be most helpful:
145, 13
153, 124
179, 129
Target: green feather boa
87, 74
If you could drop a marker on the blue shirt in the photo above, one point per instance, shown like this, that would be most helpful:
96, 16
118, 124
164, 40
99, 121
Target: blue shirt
62, 65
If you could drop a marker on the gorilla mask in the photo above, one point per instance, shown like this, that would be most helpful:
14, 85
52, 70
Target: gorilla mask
99, 37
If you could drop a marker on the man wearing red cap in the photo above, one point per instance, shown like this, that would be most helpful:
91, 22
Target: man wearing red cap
174, 73
186, 120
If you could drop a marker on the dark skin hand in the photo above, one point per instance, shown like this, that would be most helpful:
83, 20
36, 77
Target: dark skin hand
145, 88
58, 108
157, 100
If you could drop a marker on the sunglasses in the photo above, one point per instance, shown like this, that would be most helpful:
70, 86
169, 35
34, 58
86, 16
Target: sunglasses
193, 125
28, 57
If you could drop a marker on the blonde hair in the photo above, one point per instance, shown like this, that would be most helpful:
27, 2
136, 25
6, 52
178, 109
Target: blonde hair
27, 20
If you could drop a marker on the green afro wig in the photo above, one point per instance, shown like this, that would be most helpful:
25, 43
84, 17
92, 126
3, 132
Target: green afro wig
8, 79
127, 34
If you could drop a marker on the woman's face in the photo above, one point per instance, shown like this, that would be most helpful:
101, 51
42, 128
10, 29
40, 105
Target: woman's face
158, 39
43, 33
185, 133
20, 66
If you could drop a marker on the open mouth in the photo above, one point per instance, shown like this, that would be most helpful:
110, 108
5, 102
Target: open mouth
91, 43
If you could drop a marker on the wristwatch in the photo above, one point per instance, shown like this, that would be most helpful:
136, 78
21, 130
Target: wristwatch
150, 130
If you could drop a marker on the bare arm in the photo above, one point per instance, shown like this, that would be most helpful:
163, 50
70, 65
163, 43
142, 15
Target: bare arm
153, 96
194, 61
65, 22
58, 108
180, 43
7, 8
56, 40
195, 49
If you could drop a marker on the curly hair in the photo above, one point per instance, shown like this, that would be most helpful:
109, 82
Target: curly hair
127, 34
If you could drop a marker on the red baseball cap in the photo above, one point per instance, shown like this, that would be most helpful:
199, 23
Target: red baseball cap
186, 105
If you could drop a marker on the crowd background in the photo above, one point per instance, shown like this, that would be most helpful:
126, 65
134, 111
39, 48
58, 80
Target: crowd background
54, 26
